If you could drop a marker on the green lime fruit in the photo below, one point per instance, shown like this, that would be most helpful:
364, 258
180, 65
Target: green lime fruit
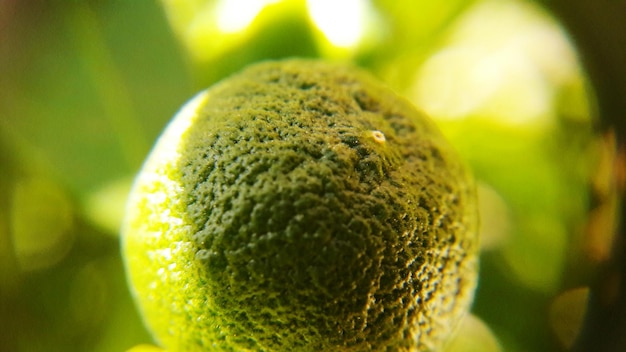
301, 206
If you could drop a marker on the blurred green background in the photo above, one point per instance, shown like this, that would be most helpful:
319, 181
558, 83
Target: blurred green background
87, 86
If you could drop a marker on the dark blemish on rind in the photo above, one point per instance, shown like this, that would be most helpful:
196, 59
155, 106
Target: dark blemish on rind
366, 102
307, 85
351, 141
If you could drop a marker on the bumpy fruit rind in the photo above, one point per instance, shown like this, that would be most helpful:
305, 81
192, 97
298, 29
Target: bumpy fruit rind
301, 206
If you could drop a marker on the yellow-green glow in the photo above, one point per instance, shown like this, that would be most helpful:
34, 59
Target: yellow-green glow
474, 335
146, 348
236, 15
495, 218
504, 61
105, 206
209, 28
342, 22
41, 219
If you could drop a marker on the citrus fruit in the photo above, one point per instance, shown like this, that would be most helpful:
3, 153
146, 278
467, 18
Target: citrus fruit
301, 206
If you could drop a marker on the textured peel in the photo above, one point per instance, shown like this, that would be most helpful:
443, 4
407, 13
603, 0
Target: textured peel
301, 206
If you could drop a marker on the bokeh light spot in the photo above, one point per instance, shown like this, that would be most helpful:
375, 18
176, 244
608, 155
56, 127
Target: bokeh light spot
105, 207
342, 22
503, 61
236, 15
41, 220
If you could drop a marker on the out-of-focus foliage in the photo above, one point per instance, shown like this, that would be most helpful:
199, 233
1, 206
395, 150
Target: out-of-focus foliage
567, 314
473, 335
86, 87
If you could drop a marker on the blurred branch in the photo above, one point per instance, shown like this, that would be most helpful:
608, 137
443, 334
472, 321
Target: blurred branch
599, 30
109, 83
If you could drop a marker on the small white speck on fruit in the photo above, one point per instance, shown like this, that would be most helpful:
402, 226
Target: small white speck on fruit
379, 137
